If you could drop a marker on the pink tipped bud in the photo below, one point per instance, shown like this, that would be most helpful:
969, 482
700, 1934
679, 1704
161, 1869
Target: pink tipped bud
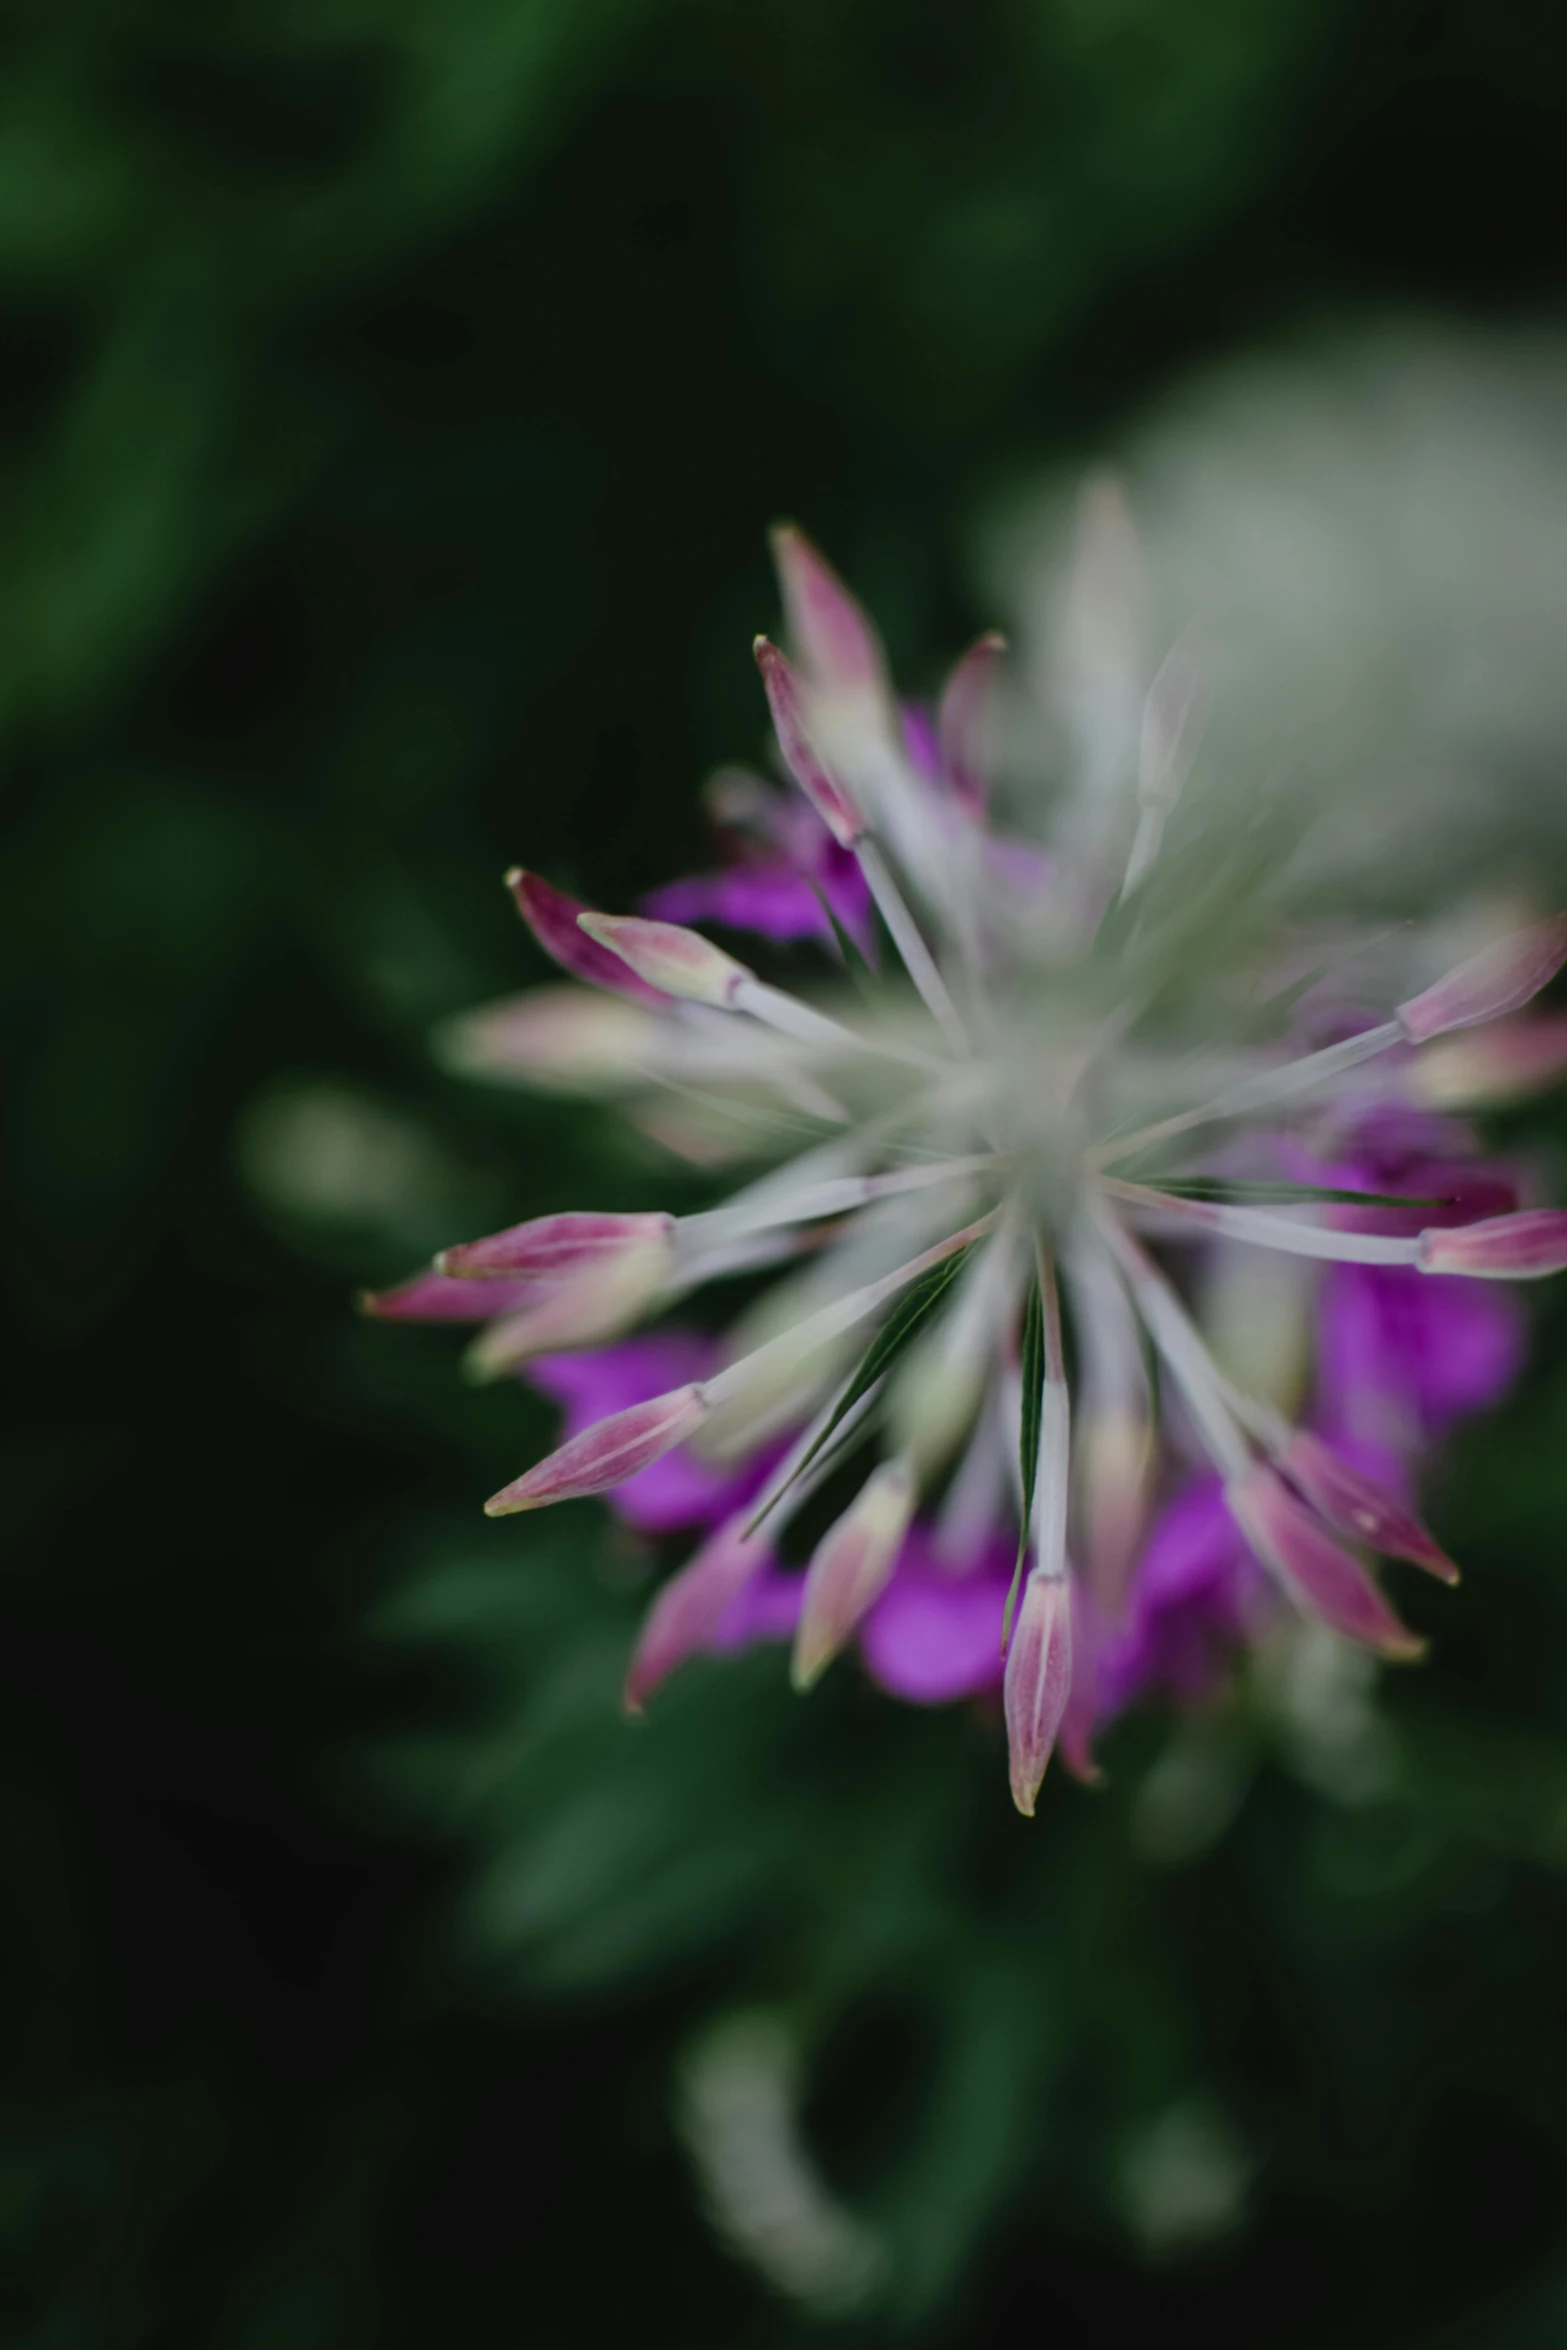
830, 632
1512, 1060
1356, 1506
559, 1039
432, 1297
1038, 1683
586, 1307
548, 1248
1318, 1573
851, 1567
826, 795
680, 962
552, 918
1501, 978
606, 1454
1524, 1247
965, 719
688, 1611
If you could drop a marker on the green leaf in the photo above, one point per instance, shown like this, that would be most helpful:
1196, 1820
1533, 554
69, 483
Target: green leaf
1222, 1190
908, 1318
854, 961
1033, 1367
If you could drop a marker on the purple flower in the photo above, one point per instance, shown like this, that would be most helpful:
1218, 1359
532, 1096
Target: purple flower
1064, 1073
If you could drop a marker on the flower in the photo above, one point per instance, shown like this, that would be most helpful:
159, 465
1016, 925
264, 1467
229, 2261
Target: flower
1057, 1064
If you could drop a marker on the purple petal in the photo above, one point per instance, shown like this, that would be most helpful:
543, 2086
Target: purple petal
776, 901
768, 1609
1471, 1349
934, 1636
1192, 1598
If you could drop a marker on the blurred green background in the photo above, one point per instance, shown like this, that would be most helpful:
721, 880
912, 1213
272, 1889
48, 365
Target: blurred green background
395, 393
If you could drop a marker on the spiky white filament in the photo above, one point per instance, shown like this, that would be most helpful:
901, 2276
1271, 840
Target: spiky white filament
918, 960
1055, 1438
820, 1328
1179, 1346
1270, 1089
1263, 1228
833, 1196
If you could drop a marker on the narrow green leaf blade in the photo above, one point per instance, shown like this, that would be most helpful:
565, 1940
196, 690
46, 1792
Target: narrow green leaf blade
1031, 1417
902, 1326
1222, 1190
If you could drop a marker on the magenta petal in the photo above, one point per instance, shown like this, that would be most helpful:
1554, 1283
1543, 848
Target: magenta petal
1188, 1607
768, 1609
1471, 1352
775, 901
934, 1636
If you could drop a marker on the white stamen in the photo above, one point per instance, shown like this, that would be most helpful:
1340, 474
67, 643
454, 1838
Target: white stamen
1263, 1228
820, 1328
1267, 1091
917, 958
836, 1196
1180, 1348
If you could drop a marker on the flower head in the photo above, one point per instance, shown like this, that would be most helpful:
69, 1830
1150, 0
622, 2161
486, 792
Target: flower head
1065, 1073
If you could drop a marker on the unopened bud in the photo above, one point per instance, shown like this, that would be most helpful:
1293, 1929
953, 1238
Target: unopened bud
679, 961
589, 1306
606, 1454
1356, 1506
552, 917
965, 720
433, 1297
1322, 1578
560, 1039
851, 1567
548, 1248
1511, 1061
786, 700
829, 630
691, 1606
1038, 1683
1524, 1247
1501, 978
